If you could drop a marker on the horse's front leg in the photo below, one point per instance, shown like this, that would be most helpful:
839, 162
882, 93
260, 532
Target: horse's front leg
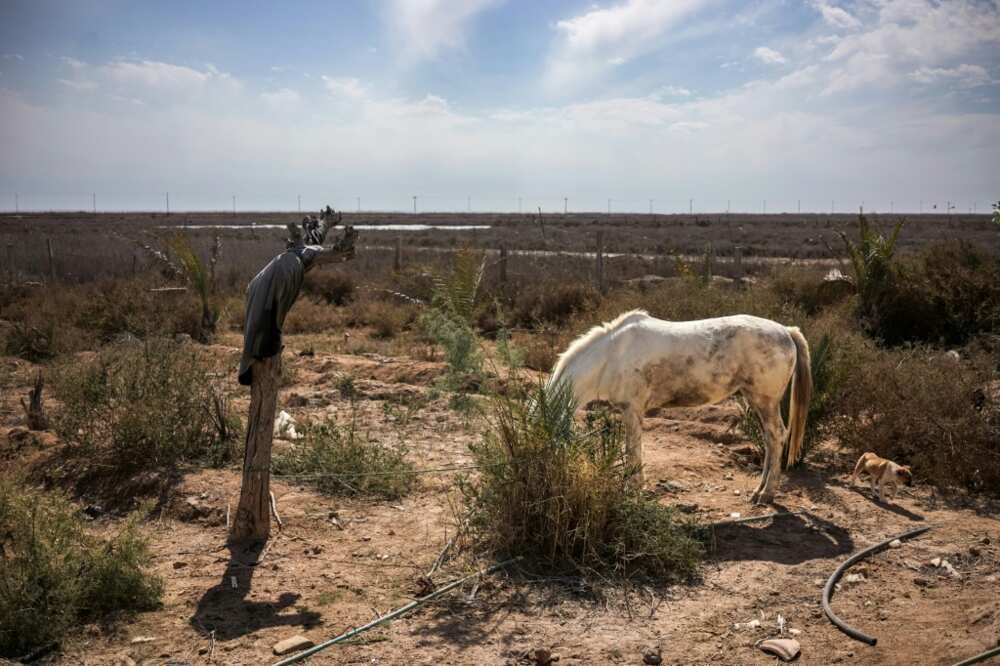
633, 443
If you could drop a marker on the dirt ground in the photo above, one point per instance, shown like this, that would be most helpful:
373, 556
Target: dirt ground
339, 563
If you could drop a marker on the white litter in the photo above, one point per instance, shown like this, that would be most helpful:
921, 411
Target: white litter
284, 426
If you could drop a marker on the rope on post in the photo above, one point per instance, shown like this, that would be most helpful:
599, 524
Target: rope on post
394, 614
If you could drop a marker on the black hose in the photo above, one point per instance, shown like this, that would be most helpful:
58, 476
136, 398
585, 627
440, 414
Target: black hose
982, 656
860, 555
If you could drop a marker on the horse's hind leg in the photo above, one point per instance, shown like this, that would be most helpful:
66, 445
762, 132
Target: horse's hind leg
633, 442
774, 431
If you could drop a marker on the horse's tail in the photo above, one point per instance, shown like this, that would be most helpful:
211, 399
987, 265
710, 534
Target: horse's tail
802, 385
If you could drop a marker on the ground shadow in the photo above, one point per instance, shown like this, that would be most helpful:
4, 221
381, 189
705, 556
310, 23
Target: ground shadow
225, 609
787, 539
865, 492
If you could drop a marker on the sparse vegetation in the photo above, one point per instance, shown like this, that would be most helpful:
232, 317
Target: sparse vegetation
55, 575
139, 407
340, 460
562, 496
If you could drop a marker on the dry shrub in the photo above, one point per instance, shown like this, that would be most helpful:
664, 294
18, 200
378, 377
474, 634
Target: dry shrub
141, 407
386, 319
54, 575
800, 286
310, 315
922, 408
948, 294
562, 496
332, 286
339, 460
552, 304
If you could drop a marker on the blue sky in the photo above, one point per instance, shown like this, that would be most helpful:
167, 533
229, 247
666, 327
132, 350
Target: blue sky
886, 102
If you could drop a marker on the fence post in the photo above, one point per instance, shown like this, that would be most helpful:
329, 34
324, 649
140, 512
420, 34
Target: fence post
600, 262
133, 265
739, 260
503, 264
708, 262
52, 261
397, 259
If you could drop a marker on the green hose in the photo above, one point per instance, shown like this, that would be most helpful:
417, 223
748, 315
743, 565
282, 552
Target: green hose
389, 616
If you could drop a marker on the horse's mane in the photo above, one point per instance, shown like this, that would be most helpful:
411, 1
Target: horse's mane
595, 333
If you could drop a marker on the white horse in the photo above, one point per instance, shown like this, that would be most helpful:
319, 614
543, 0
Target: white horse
638, 362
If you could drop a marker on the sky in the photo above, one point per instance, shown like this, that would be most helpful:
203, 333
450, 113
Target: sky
500, 105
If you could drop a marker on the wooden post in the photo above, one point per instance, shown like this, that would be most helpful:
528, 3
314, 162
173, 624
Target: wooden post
739, 260
253, 517
52, 262
133, 265
708, 262
600, 262
397, 260
503, 264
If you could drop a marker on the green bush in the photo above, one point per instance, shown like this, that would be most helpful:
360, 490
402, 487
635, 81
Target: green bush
563, 497
341, 461
140, 407
54, 575
449, 321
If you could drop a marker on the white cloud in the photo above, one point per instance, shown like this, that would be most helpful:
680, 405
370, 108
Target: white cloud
78, 85
344, 87
282, 98
670, 91
425, 28
837, 16
967, 76
600, 37
768, 56
13, 56
907, 35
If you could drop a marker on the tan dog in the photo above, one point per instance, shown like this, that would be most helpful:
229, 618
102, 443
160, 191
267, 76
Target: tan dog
883, 472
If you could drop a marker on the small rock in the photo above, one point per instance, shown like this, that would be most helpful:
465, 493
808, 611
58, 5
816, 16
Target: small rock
143, 639
985, 541
544, 657
179, 565
202, 650
736, 492
946, 565
752, 624
652, 657
975, 552
734, 515
293, 644
785, 649
795, 632
922, 582
895, 543
854, 578
936, 562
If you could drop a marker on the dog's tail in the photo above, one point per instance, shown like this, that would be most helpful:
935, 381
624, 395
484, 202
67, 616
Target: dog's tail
802, 386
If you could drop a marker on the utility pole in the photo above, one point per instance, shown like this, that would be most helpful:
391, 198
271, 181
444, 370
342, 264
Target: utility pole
799, 205
650, 206
93, 199
234, 204
17, 202
690, 206
727, 206
833, 207
168, 203
468, 204
300, 203
565, 205
764, 207
414, 204
359, 204
519, 205
609, 206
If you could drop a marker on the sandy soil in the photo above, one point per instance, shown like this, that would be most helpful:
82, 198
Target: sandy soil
318, 579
